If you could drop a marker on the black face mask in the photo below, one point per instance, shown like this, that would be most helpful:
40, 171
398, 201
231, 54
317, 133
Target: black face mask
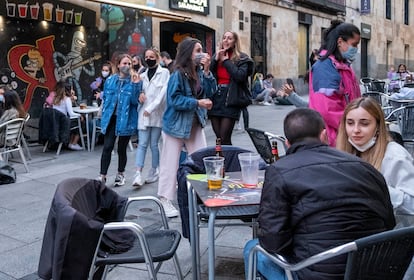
136, 67
150, 62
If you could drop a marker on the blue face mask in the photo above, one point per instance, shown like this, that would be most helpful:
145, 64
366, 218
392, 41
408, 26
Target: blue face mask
350, 53
1, 98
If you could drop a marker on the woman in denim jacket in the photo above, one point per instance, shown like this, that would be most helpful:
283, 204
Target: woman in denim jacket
188, 90
119, 115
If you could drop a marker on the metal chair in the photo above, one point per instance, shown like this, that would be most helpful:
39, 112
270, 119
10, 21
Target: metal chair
84, 233
24, 142
97, 129
11, 139
384, 255
262, 142
404, 116
375, 95
378, 86
55, 127
366, 82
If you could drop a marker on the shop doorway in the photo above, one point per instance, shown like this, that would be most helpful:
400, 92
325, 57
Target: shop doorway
173, 33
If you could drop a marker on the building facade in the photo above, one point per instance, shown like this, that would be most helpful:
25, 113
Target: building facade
42, 41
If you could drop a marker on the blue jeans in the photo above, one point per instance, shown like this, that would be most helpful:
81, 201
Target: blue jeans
266, 267
152, 136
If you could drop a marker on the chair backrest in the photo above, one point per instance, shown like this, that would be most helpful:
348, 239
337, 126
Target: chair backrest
12, 132
376, 95
385, 255
261, 141
79, 209
378, 86
406, 122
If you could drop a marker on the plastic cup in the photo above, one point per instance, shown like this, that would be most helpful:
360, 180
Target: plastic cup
214, 170
249, 163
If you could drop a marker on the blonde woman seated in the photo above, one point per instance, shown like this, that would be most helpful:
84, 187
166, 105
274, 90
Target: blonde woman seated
363, 132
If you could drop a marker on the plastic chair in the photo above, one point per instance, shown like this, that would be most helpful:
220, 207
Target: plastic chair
11, 139
84, 216
262, 142
384, 255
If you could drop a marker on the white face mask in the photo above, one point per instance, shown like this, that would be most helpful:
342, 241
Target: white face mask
364, 147
105, 74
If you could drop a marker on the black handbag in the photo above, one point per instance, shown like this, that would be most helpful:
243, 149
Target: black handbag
7, 173
238, 96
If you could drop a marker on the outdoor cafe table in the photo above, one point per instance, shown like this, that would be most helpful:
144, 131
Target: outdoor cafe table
85, 112
232, 193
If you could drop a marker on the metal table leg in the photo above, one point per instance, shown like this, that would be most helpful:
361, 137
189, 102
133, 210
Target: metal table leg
211, 248
193, 231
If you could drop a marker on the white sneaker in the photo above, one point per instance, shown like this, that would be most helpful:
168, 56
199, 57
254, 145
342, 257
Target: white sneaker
119, 180
101, 178
75, 147
169, 208
138, 180
267, 103
152, 176
238, 126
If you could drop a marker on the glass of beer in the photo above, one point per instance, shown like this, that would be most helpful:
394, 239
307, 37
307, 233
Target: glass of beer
214, 169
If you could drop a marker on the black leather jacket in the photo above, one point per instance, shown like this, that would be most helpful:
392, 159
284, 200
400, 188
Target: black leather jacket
316, 198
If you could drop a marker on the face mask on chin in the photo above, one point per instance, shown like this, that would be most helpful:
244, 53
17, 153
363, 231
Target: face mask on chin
350, 53
364, 147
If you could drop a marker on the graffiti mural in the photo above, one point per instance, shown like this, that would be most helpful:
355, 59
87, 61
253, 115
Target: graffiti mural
128, 31
37, 44
42, 42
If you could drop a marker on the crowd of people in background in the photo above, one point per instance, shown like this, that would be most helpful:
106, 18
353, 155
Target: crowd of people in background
157, 97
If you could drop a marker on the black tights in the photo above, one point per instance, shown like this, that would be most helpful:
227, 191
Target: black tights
223, 128
109, 143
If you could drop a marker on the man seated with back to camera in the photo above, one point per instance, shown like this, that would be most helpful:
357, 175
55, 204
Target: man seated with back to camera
316, 198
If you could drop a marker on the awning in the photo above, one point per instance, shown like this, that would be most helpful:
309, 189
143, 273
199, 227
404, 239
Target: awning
145, 10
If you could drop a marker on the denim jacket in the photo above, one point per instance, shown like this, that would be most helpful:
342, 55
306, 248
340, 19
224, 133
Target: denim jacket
182, 105
122, 95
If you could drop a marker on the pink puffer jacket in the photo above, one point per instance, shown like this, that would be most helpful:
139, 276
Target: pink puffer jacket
330, 91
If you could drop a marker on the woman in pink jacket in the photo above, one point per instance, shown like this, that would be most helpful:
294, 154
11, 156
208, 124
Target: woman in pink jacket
332, 81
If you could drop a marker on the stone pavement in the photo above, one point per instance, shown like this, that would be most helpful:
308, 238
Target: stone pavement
24, 207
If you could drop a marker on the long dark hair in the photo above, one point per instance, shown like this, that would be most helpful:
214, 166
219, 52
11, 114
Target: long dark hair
338, 29
184, 58
12, 100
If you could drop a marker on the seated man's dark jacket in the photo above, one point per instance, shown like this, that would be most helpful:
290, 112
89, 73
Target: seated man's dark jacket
317, 198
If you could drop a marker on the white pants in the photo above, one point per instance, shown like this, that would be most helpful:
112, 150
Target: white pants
170, 156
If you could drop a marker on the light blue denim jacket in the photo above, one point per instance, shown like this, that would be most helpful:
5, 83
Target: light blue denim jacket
182, 104
122, 95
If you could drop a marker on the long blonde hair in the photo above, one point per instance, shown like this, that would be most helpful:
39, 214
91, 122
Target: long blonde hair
375, 154
237, 49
